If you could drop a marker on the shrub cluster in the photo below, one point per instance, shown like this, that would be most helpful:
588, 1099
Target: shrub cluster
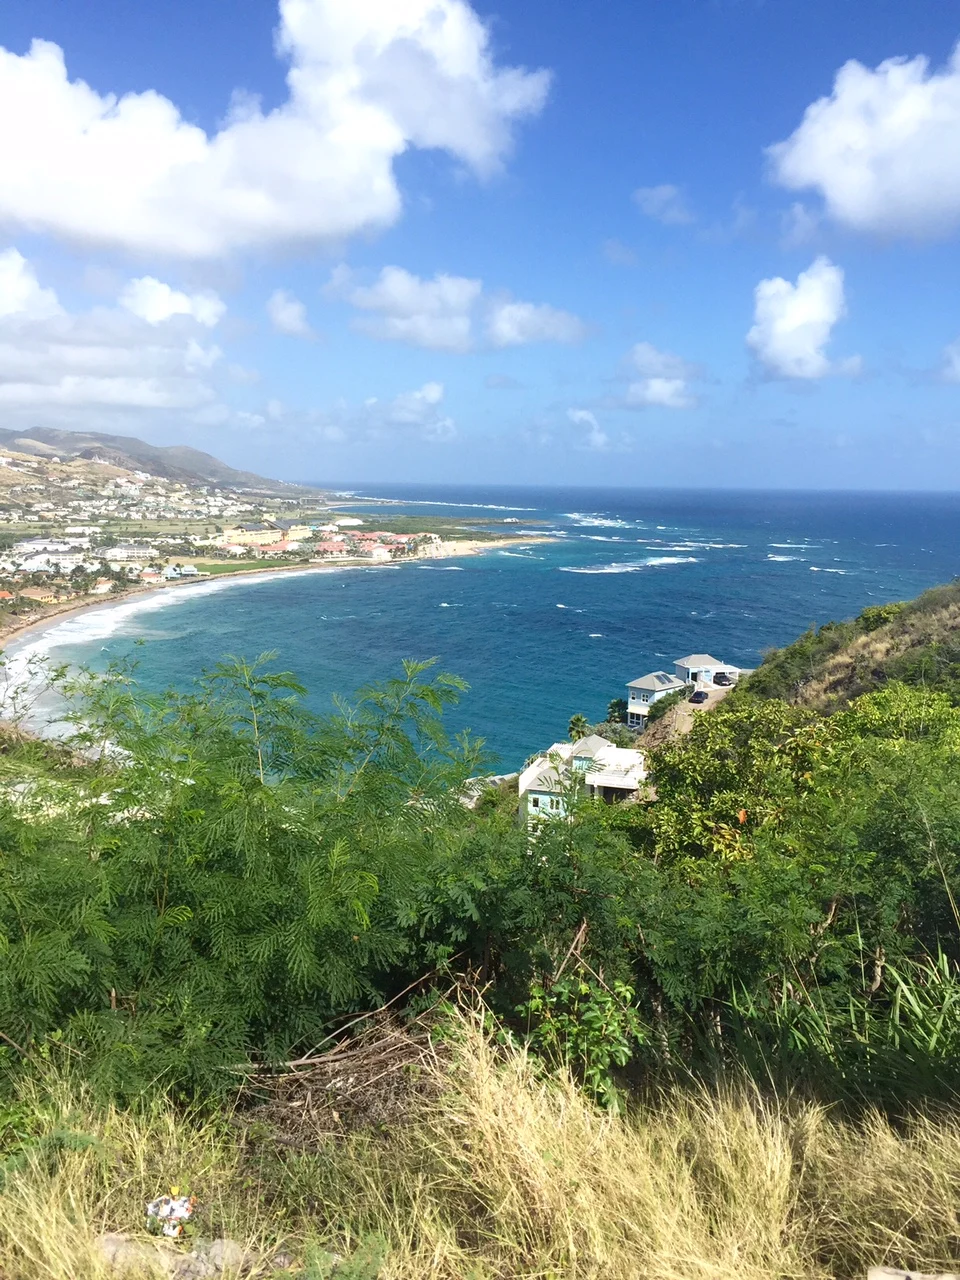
207, 879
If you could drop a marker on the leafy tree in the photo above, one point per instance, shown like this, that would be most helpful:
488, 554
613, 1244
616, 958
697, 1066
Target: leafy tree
617, 711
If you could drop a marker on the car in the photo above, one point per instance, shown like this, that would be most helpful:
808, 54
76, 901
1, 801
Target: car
699, 696
722, 678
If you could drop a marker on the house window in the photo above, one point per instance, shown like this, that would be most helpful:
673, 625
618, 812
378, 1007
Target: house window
535, 802
554, 803
646, 697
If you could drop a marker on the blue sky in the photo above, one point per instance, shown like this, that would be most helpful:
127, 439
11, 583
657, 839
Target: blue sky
706, 242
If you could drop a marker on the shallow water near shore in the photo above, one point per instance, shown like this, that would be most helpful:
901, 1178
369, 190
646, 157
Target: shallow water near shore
634, 580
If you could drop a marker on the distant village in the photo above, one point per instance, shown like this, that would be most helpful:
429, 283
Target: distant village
101, 530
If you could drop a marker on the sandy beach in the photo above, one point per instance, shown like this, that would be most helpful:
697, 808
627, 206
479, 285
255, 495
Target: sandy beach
55, 614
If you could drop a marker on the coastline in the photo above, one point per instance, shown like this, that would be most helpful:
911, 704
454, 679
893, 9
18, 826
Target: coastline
72, 608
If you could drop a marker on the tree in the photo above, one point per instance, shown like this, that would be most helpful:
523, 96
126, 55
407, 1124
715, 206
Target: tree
578, 728
617, 711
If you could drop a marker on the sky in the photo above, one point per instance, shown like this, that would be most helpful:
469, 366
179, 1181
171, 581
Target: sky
698, 243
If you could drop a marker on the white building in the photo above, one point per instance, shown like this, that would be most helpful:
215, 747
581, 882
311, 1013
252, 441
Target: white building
592, 767
701, 669
128, 551
643, 693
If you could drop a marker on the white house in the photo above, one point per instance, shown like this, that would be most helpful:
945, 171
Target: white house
643, 693
700, 668
592, 765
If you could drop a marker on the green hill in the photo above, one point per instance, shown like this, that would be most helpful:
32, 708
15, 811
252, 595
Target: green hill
916, 642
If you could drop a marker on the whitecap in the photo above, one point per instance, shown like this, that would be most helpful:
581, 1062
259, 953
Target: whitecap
784, 558
631, 566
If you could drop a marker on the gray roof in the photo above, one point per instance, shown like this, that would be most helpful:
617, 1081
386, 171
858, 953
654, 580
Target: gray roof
656, 681
699, 660
589, 746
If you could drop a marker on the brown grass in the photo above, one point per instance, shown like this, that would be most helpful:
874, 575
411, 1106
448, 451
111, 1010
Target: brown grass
504, 1173
842, 675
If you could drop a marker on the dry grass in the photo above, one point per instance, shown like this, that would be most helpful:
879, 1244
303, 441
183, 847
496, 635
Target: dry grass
503, 1173
842, 674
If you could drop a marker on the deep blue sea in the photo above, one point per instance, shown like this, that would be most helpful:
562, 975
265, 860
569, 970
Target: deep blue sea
634, 580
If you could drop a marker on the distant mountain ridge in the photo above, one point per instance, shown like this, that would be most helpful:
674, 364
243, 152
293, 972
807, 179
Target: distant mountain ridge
170, 462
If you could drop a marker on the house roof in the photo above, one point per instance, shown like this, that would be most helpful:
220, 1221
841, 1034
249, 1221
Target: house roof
589, 746
657, 681
699, 660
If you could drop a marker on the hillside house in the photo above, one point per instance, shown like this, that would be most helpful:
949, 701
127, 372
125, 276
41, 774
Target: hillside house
592, 766
643, 693
701, 668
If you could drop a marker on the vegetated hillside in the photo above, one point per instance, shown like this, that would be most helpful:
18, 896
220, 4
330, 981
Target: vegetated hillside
916, 642
172, 462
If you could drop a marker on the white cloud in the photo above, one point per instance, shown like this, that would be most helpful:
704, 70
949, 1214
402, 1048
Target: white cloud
883, 149
665, 203
664, 379
950, 369
798, 226
154, 301
420, 410
288, 314
417, 414
595, 438
442, 314
85, 369
514, 324
793, 322
366, 81
20, 293
436, 314
619, 254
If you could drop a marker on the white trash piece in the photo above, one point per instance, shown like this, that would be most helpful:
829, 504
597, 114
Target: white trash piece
168, 1215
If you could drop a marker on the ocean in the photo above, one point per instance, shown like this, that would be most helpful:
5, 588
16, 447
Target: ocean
634, 580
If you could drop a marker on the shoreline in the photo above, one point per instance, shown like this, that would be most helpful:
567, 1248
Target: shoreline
72, 608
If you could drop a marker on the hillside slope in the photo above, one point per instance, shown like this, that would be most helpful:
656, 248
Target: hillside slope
917, 642
171, 462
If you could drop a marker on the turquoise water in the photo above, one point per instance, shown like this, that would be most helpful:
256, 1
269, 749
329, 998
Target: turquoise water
634, 580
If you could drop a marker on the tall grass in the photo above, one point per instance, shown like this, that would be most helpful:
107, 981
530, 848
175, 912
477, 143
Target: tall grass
501, 1172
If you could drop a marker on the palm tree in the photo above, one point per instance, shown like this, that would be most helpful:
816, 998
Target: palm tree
579, 727
617, 711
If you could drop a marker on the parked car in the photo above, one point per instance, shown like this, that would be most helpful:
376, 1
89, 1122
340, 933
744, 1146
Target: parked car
721, 677
699, 696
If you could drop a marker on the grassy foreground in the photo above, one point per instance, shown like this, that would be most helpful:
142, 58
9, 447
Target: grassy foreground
496, 1171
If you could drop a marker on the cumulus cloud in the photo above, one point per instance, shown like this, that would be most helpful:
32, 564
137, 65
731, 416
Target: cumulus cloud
366, 82
435, 313
80, 369
447, 312
883, 149
664, 203
595, 437
288, 314
417, 414
793, 322
514, 324
21, 296
154, 301
664, 379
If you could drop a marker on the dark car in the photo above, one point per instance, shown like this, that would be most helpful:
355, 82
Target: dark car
722, 678
699, 696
